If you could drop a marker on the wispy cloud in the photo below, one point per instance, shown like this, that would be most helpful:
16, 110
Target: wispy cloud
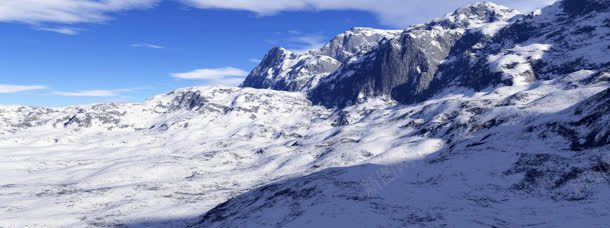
229, 76
61, 30
211, 73
66, 11
88, 93
396, 13
306, 43
41, 13
5, 88
254, 60
147, 45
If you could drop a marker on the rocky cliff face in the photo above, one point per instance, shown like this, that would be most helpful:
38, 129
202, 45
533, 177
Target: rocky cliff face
539, 46
476, 47
285, 70
403, 68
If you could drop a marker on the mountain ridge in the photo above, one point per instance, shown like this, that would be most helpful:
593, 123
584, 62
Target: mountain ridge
285, 70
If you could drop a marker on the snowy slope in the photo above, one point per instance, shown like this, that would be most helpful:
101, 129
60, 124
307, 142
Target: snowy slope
534, 155
74, 167
186, 152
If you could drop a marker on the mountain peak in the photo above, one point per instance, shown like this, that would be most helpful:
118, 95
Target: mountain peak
357, 40
475, 14
282, 69
483, 7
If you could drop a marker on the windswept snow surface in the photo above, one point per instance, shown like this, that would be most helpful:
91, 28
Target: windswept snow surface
181, 154
173, 156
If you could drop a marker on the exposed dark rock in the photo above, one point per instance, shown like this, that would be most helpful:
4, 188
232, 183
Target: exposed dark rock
581, 7
286, 70
190, 100
409, 68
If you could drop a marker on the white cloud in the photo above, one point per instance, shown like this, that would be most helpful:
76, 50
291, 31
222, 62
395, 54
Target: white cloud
254, 60
215, 76
88, 93
307, 42
4, 88
227, 82
145, 45
397, 13
66, 11
61, 30
212, 74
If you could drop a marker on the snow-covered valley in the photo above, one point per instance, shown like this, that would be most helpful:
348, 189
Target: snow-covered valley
198, 157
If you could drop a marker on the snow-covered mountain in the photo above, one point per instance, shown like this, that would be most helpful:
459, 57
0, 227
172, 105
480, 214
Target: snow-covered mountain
476, 47
512, 156
483, 117
403, 68
285, 70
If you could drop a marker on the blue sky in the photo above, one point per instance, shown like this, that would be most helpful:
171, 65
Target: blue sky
66, 52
